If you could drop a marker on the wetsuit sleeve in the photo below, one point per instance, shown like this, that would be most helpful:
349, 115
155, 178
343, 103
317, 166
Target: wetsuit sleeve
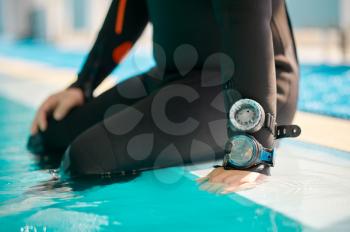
123, 25
247, 38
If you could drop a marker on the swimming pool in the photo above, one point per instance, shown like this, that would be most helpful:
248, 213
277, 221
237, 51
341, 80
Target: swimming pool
308, 190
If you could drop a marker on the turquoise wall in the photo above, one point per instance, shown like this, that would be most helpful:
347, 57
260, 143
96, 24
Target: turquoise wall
314, 13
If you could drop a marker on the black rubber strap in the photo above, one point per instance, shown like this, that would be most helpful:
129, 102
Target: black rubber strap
287, 131
282, 131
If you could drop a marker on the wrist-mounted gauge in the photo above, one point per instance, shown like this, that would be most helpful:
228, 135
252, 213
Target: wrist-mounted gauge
248, 116
243, 151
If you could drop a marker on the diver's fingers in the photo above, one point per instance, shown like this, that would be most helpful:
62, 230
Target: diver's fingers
238, 187
35, 123
70, 98
252, 177
34, 127
212, 187
232, 179
214, 172
215, 187
44, 109
246, 186
202, 179
42, 120
63, 108
205, 186
219, 178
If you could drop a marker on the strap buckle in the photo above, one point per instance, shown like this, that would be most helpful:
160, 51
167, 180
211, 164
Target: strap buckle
281, 131
268, 157
270, 123
287, 131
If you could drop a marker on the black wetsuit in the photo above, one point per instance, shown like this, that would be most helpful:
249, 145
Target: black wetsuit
167, 116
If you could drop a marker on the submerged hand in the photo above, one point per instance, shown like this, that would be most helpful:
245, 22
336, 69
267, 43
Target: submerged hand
227, 181
59, 105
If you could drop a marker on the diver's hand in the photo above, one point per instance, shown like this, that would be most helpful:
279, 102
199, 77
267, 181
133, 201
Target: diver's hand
226, 181
59, 105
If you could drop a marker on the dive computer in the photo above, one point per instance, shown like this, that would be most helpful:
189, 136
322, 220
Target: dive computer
243, 150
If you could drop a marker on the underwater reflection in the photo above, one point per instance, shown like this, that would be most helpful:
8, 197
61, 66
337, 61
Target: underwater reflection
55, 189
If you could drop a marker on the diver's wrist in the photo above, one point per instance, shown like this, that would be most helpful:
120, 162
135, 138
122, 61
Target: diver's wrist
85, 88
259, 168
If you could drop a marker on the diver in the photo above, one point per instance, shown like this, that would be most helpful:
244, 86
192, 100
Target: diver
226, 74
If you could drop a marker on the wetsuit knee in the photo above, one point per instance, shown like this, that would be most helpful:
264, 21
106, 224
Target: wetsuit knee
52, 142
90, 154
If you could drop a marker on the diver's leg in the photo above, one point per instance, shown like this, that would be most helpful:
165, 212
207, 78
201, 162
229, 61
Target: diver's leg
60, 134
287, 67
183, 122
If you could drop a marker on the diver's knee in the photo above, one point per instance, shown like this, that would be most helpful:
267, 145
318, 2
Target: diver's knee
89, 154
52, 140
36, 144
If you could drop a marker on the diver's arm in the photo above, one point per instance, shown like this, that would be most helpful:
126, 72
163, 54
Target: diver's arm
247, 39
123, 25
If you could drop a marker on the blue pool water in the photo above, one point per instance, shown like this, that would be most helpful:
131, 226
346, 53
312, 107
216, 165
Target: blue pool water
32, 200
324, 89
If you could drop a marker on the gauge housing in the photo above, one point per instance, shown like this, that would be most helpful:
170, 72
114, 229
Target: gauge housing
247, 115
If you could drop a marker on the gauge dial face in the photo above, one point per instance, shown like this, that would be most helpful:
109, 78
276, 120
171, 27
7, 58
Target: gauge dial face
242, 152
247, 115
